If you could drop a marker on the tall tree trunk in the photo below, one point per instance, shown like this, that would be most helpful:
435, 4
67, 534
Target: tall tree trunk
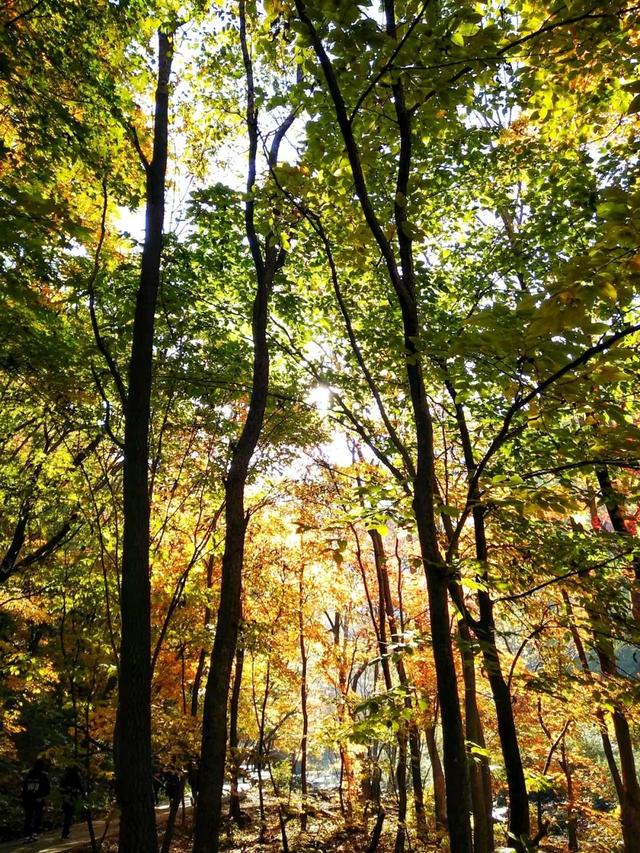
267, 260
485, 631
377, 832
234, 804
480, 774
403, 280
214, 716
346, 765
630, 790
261, 749
303, 702
413, 734
133, 752
630, 800
519, 820
174, 805
624, 778
415, 765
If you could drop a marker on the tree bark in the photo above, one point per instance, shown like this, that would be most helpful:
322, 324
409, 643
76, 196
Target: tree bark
485, 631
480, 774
413, 734
401, 784
403, 281
267, 259
133, 753
439, 794
377, 832
338, 628
303, 702
202, 655
629, 794
572, 817
617, 516
234, 804
624, 778
174, 805
214, 716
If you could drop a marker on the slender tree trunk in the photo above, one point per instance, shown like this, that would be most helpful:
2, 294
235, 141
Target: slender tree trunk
624, 777
267, 259
572, 817
377, 832
303, 702
519, 820
403, 280
439, 793
202, 656
174, 805
214, 716
630, 790
413, 734
133, 766
485, 630
338, 628
234, 804
261, 749
415, 765
480, 774
401, 784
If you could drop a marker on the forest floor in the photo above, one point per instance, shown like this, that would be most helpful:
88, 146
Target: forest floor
325, 834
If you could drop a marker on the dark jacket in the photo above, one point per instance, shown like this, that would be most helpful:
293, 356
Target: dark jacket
71, 786
36, 785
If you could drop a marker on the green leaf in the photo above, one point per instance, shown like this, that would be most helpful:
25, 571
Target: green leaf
634, 106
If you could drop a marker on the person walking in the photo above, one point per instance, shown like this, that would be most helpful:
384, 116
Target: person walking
35, 790
71, 791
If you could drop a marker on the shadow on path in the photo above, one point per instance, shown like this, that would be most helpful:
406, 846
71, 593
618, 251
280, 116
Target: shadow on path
50, 842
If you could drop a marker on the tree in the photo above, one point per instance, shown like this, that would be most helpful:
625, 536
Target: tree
133, 747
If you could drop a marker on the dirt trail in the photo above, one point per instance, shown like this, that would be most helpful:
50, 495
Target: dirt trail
50, 842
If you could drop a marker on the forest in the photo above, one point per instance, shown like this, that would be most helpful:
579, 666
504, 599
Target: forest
320, 424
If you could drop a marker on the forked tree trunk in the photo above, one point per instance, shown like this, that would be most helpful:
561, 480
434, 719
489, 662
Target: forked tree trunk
267, 259
403, 280
133, 748
485, 631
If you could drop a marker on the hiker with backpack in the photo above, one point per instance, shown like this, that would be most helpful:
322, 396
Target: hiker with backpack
35, 790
